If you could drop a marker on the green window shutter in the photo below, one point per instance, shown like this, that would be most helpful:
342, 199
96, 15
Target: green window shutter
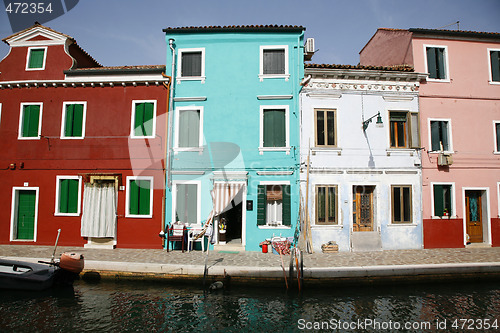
431, 63
77, 120
444, 134
68, 126
139, 120
36, 58
63, 195
286, 201
26, 214
133, 197
144, 197
320, 128
261, 204
147, 126
435, 136
72, 196
441, 73
495, 65
438, 200
497, 129
30, 121
274, 128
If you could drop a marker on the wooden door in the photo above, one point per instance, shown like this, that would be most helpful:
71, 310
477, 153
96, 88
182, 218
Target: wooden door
473, 215
26, 202
362, 208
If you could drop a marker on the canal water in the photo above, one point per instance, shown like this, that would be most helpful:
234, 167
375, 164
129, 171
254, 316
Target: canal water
153, 307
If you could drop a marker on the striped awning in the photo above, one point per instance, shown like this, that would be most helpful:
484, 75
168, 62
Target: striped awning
223, 194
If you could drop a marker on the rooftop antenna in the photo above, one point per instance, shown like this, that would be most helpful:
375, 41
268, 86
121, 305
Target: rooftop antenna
457, 23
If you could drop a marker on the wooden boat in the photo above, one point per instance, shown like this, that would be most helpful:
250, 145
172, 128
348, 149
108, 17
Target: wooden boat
24, 275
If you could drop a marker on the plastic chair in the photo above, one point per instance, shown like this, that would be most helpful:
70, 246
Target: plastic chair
191, 235
177, 232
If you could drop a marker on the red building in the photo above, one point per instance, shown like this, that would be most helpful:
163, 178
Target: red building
82, 146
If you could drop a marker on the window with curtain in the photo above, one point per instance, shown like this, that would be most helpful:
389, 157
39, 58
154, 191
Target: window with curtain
144, 119
440, 135
273, 205
325, 128
495, 65
140, 197
436, 65
36, 58
68, 199
274, 127
73, 120
30, 121
326, 205
186, 207
398, 129
442, 200
189, 129
401, 204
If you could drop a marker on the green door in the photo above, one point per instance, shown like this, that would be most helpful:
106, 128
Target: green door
26, 201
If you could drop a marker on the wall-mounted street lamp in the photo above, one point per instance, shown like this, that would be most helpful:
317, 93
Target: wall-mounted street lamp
379, 122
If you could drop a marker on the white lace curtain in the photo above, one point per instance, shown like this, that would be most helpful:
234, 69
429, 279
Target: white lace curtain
99, 210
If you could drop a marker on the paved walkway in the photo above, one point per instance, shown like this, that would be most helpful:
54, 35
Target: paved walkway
256, 265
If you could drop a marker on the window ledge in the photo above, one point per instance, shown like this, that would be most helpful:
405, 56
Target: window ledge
191, 149
444, 217
396, 225
132, 137
495, 82
66, 214
72, 137
439, 80
191, 78
496, 152
286, 227
439, 152
322, 150
274, 76
138, 216
328, 227
391, 151
263, 149
29, 138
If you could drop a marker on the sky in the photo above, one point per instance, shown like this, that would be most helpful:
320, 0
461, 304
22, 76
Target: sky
129, 32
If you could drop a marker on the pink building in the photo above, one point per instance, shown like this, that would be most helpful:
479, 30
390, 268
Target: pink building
460, 128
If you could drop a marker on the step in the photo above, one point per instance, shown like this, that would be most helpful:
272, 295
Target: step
364, 241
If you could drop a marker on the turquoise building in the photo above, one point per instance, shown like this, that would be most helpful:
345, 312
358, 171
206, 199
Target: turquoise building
233, 145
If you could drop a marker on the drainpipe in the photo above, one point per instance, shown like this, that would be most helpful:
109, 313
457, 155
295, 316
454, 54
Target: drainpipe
170, 117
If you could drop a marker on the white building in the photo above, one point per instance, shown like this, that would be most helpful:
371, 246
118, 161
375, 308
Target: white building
360, 131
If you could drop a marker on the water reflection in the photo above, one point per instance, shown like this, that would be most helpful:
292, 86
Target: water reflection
112, 307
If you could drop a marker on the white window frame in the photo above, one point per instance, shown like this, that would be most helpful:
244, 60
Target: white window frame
179, 76
263, 76
498, 199
274, 182
340, 222
57, 210
177, 129
28, 58
496, 150
0, 114
450, 137
20, 137
489, 66
132, 119
127, 197
286, 148
446, 63
63, 120
453, 200
14, 210
175, 183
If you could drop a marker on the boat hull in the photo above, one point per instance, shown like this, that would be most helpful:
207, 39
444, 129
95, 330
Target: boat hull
26, 276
